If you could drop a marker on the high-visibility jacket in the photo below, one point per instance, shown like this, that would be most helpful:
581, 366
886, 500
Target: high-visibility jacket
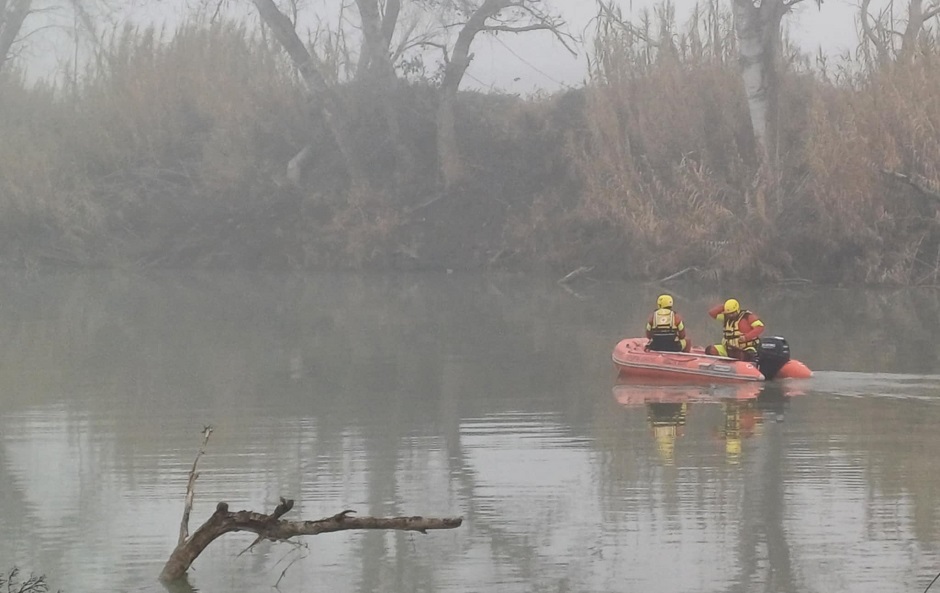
740, 331
665, 330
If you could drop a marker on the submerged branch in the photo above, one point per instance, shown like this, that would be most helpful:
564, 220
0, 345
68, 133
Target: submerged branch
190, 487
272, 527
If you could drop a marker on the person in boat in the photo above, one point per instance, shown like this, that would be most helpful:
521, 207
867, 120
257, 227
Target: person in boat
665, 329
741, 330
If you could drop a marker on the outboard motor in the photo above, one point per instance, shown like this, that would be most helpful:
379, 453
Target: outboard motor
772, 354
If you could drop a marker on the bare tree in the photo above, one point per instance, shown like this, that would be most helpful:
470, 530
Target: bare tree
330, 105
384, 36
875, 32
34, 19
757, 26
271, 527
13, 14
880, 33
488, 16
385, 39
378, 26
917, 16
376, 68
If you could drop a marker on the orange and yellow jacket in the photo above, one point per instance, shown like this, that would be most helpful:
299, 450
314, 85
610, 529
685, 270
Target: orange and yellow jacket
740, 332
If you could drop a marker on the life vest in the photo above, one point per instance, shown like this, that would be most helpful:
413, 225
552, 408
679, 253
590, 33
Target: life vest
665, 331
732, 336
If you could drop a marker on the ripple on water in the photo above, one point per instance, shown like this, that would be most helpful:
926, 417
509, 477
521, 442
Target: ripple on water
884, 385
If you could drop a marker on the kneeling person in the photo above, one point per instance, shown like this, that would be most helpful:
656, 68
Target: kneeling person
741, 331
665, 329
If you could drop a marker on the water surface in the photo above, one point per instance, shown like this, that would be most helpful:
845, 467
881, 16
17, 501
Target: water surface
487, 397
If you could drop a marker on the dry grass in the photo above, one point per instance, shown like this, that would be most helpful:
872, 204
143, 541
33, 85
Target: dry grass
666, 164
171, 151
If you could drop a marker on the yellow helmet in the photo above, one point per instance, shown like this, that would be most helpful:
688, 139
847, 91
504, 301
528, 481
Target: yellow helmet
664, 301
732, 307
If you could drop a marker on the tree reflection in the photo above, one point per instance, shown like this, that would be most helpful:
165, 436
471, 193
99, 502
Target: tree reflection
763, 547
359, 391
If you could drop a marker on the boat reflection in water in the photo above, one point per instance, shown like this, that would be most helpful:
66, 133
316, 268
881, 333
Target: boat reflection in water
745, 406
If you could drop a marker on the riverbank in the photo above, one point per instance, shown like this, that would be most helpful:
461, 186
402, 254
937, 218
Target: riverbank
174, 154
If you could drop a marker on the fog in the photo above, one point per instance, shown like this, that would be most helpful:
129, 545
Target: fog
194, 120
508, 63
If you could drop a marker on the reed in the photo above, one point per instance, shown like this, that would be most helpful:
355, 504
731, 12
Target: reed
171, 149
667, 162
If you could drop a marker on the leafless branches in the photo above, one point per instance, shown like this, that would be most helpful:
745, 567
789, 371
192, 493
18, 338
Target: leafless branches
11, 583
271, 526
12, 17
880, 31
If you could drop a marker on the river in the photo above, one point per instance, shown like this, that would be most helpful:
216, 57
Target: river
487, 397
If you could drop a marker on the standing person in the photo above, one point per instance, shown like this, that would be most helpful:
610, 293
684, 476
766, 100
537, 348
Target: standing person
742, 328
665, 329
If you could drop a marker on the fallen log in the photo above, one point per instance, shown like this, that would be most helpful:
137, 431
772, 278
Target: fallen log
272, 527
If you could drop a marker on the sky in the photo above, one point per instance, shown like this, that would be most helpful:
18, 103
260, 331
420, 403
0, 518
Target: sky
532, 62
540, 62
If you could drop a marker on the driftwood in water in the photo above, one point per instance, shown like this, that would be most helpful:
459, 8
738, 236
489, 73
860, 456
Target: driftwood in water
272, 527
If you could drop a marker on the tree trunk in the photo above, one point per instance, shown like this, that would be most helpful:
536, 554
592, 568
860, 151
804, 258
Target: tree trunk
11, 22
448, 154
377, 72
874, 35
375, 60
758, 31
331, 105
916, 17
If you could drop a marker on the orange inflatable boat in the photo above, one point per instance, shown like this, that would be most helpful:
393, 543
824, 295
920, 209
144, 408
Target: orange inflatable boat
632, 359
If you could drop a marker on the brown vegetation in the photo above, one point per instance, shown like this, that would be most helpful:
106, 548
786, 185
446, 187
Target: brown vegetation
172, 150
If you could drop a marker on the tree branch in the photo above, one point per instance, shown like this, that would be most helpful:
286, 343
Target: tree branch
407, 42
511, 29
547, 23
331, 106
190, 487
390, 19
869, 32
283, 30
485, 17
13, 18
272, 527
